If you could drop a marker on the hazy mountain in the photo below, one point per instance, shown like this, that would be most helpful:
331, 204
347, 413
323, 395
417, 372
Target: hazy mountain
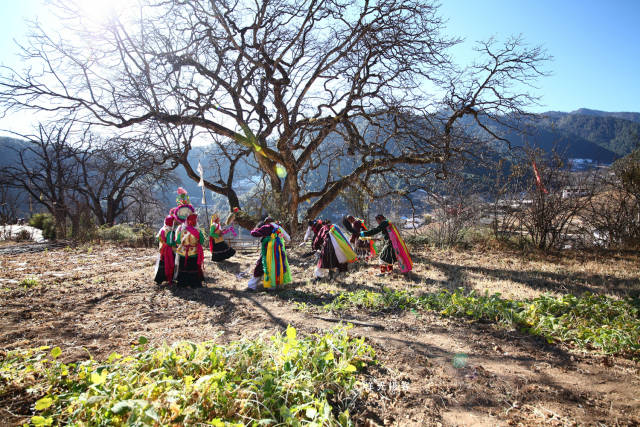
566, 143
8, 156
590, 134
8, 146
618, 133
632, 117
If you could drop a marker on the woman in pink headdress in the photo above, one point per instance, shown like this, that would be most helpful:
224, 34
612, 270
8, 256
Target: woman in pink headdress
165, 261
190, 255
188, 241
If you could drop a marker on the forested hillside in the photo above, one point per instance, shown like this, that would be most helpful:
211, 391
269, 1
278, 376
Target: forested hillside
590, 134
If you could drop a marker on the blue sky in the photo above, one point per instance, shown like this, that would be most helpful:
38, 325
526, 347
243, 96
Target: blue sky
595, 44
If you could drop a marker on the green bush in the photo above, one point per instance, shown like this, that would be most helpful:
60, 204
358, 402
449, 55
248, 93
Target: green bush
282, 381
139, 235
37, 220
588, 321
46, 223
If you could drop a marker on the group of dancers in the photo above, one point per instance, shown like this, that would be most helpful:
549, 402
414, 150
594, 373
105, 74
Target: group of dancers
180, 242
181, 253
334, 251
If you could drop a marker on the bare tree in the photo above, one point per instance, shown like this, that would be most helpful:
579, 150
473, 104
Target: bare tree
358, 202
47, 170
548, 213
627, 170
505, 182
317, 94
143, 200
456, 209
117, 173
81, 178
9, 201
612, 216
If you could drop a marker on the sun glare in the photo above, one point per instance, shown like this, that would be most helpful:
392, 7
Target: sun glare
102, 11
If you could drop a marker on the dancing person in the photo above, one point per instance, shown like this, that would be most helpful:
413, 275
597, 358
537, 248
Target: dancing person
190, 254
272, 267
334, 250
166, 255
188, 240
365, 249
220, 250
393, 249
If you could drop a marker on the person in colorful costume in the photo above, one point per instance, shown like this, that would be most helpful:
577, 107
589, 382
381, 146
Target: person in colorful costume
189, 241
220, 250
166, 256
334, 250
365, 249
272, 267
189, 254
394, 249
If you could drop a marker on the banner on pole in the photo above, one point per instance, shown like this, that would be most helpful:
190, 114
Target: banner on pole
201, 183
201, 173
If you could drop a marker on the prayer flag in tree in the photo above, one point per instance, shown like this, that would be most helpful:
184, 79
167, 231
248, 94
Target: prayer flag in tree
538, 180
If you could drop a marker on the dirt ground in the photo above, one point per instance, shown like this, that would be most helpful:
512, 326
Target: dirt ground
93, 300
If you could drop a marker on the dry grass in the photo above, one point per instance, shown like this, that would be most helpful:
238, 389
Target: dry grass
514, 275
101, 298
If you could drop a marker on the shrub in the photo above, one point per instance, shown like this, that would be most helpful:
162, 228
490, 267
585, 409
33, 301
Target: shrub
22, 235
131, 235
282, 381
418, 240
46, 223
29, 282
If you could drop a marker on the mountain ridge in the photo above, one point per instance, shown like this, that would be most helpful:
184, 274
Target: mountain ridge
583, 133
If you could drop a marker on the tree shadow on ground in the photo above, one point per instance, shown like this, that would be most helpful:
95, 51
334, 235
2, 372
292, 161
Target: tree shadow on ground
530, 353
254, 298
211, 297
573, 283
229, 266
318, 299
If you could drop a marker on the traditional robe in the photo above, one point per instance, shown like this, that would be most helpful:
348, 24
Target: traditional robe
220, 250
272, 267
166, 257
189, 256
363, 248
312, 233
393, 248
335, 251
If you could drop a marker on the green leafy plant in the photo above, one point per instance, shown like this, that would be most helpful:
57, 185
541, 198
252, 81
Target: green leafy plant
29, 282
283, 380
589, 321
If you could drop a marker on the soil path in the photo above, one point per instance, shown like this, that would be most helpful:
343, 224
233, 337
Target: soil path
432, 371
